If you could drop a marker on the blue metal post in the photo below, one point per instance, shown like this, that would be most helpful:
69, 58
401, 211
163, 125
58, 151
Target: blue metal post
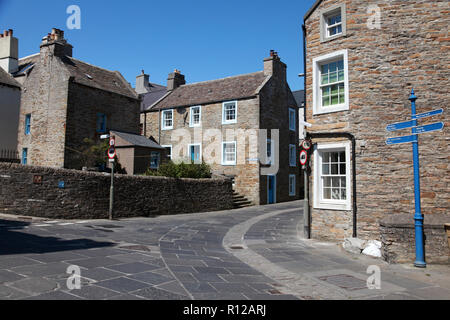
418, 217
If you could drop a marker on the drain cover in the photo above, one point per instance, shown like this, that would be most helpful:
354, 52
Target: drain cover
237, 247
108, 226
345, 281
136, 248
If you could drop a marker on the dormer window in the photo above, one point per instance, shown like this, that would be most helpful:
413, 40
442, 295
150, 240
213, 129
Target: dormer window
332, 23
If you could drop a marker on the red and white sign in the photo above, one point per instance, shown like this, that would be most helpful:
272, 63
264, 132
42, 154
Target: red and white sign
306, 144
303, 157
112, 141
111, 153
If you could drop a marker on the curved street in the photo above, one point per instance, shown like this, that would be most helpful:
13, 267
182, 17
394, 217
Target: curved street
254, 253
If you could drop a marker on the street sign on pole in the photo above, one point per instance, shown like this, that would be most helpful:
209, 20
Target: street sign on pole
416, 130
400, 125
303, 157
398, 140
111, 153
438, 126
427, 114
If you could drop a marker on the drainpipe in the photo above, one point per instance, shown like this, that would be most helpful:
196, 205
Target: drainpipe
352, 138
159, 127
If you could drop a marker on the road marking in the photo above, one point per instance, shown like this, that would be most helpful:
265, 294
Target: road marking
66, 224
82, 222
42, 225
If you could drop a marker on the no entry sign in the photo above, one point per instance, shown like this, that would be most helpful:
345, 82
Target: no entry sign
111, 153
303, 157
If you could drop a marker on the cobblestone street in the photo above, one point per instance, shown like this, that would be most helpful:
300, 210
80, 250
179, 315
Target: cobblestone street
253, 253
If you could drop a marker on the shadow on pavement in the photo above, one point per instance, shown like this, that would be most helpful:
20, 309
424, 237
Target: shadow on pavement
12, 241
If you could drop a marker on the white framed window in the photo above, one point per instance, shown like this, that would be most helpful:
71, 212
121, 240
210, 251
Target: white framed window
167, 120
229, 153
195, 152
292, 185
229, 112
195, 119
332, 176
292, 155
331, 83
154, 160
168, 151
292, 118
333, 23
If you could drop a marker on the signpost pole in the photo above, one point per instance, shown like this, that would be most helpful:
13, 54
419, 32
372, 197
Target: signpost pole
111, 193
306, 219
418, 217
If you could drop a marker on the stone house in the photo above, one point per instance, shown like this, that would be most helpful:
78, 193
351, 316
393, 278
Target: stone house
137, 153
65, 100
220, 122
359, 76
9, 95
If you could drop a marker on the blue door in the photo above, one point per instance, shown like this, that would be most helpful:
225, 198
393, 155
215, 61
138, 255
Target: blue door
271, 189
195, 153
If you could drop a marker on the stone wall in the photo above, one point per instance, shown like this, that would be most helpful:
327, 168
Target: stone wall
9, 116
398, 239
85, 195
409, 51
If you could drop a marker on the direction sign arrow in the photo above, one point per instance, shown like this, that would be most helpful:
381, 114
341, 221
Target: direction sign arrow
400, 125
398, 140
428, 128
427, 114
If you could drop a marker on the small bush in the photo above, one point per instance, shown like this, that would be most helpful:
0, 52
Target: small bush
181, 170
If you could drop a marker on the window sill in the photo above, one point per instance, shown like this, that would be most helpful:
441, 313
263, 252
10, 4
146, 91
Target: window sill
338, 36
324, 110
166, 129
229, 122
339, 206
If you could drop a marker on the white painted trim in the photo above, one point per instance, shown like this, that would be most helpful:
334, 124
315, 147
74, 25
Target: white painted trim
295, 185
317, 103
235, 154
191, 122
189, 152
293, 164
274, 189
323, 23
295, 122
223, 112
319, 203
163, 127
171, 150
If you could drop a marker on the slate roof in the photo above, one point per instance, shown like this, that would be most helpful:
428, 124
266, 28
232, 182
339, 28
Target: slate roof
299, 97
137, 140
88, 75
232, 88
7, 79
155, 93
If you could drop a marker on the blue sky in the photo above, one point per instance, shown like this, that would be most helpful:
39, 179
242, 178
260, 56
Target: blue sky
205, 39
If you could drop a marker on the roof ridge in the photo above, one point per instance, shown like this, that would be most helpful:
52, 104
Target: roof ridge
231, 77
89, 64
30, 56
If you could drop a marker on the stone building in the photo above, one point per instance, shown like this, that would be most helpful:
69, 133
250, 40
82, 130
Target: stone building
65, 100
219, 122
9, 95
362, 59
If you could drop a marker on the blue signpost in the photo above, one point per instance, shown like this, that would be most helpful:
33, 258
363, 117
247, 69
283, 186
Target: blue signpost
418, 216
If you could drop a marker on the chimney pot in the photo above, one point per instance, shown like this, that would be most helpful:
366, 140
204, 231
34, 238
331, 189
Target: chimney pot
5, 33
11, 32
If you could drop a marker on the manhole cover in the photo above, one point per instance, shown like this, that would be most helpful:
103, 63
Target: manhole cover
136, 248
345, 281
108, 226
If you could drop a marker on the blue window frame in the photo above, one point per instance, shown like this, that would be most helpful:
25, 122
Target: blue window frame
195, 153
101, 123
24, 156
28, 124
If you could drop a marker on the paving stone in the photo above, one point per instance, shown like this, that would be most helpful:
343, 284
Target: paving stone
434, 293
11, 262
100, 274
187, 269
96, 262
185, 277
122, 284
244, 271
35, 285
56, 257
174, 287
246, 278
41, 270
55, 295
94, 292
133, 267
213, 270
233, 287
127, 297
199, 287
8, 276
209, 277
233, 296
158, 294
8, 293
151, 278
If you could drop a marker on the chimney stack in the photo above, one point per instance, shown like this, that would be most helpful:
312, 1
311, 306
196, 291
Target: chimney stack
175, 80
9, 52
142, 83
273, 66
56, 43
